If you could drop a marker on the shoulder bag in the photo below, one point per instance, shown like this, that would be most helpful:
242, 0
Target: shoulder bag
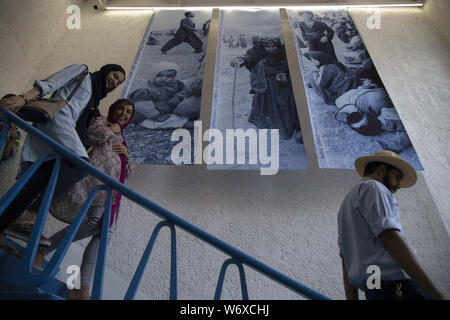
42, 110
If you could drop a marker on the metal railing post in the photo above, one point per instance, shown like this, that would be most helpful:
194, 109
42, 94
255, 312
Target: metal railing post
171, 220
134, 285
222, 273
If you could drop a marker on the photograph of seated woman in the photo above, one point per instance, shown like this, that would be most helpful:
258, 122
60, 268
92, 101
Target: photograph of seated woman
346, 96
332, 79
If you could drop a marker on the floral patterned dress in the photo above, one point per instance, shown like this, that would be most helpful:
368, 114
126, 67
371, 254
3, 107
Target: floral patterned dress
101, 139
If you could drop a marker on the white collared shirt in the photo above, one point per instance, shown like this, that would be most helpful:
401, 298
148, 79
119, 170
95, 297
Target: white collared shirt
368, 210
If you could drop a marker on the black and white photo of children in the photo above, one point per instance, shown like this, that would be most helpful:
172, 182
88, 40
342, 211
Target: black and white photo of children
166, 82
351, 112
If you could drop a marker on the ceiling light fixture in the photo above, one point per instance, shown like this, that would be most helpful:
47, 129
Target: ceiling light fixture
318, 6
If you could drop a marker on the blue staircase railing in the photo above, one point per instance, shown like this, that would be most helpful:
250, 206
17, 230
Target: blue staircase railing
24, 275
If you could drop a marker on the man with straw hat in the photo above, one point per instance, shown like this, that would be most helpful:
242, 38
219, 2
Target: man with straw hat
376, 257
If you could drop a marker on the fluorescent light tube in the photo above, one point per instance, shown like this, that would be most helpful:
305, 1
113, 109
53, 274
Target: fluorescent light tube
381, 5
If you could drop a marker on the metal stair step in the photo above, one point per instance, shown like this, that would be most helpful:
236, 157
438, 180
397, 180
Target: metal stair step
52, 289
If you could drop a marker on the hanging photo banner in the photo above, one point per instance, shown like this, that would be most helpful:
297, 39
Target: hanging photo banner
165, 83
254, 112
351, 112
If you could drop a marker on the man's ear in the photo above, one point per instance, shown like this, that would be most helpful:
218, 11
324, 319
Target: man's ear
381, 170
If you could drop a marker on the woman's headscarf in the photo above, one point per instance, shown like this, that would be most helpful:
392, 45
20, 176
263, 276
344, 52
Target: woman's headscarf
160, 67
123, 169
324, 59
271, 41
171, 87
114, 107
274, 61
99, 91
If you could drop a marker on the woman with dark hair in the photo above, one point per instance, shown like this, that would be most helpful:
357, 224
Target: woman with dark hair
331, 80
109, 154
68, 127
273, 105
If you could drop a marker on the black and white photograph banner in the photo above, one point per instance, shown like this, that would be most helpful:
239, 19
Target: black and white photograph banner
351, 112
253, 93
165, 83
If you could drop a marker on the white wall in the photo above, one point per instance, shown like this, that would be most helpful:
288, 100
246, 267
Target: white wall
288, 221
28, 33
438, 11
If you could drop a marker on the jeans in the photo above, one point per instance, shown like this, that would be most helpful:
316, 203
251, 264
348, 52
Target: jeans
397, 290
32, 193
89, 227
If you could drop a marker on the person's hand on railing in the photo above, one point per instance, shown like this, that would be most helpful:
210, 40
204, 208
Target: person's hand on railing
12, 103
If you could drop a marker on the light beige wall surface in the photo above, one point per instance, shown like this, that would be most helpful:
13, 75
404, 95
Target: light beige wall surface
287, 221
438, 12
29, 31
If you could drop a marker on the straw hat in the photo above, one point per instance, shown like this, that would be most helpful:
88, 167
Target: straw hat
389, 157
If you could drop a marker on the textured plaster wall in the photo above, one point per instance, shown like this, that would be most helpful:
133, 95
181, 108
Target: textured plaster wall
29, 31
438, 11
287, 221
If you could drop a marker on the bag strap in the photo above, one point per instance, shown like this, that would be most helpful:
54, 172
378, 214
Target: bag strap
340, 109
85, 72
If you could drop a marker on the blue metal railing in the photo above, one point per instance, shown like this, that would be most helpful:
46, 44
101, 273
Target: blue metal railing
24, 275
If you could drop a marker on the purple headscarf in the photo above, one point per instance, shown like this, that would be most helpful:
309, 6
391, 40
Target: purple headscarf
123, 169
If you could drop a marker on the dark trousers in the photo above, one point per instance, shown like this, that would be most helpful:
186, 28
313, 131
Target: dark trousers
397, 290
192, 40
30, 197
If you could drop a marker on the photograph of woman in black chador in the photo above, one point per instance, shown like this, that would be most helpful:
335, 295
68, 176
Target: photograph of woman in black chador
252, 85
273, 104
351, 112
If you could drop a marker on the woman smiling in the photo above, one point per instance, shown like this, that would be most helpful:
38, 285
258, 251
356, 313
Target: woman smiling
108, 152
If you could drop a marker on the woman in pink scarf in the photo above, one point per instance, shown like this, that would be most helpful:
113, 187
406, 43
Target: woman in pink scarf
108, 152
